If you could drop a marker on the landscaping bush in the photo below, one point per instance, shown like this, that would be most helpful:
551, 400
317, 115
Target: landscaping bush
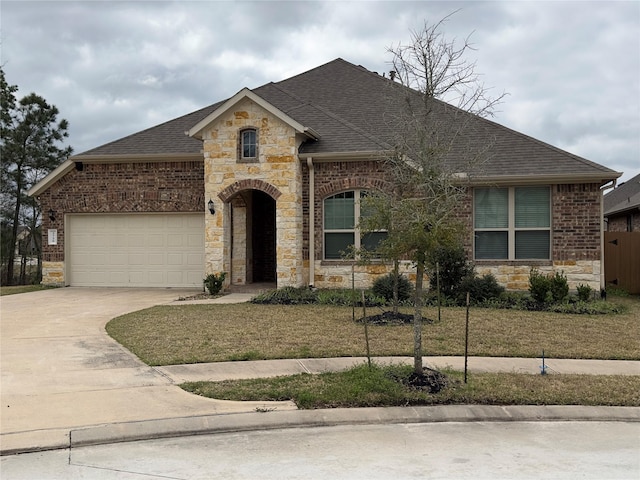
585, 293
481, 289
214, 282
552, 288
287, 296
305, 295
454, 268
559, 287
383, 287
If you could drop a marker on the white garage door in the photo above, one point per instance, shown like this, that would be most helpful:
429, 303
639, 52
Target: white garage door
143, 250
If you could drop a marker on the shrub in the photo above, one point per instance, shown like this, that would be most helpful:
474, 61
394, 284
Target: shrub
383, 287
454, 268
287, 296
214, 282
539, 286
552, 288
481, 289
559, 287
585, 293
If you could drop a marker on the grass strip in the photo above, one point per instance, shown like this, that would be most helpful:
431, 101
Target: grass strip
379, 387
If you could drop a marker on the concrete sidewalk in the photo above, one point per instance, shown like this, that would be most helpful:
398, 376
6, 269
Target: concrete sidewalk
216, 372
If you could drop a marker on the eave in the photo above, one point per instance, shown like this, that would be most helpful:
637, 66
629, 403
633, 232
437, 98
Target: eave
542, 179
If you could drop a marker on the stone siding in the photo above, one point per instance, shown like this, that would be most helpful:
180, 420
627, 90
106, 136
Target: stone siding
277, 173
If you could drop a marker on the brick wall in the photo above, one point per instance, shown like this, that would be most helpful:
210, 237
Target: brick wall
621, 223
576, 221
121, 188
576, 233
336, 177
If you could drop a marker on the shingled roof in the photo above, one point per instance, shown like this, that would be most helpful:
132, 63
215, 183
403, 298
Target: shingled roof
353, 110
624, 198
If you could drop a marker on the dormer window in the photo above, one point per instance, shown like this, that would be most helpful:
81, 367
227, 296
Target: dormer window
248, 145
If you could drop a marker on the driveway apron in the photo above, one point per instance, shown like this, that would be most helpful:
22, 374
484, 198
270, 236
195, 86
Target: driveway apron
61, 371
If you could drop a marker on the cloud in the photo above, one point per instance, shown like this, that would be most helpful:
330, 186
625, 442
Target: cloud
572, 69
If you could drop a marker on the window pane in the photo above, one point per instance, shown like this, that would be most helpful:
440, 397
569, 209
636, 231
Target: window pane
339, 212
491, 207
335, 243
532, 244
532, 207
370, 241
491, 245
249, 143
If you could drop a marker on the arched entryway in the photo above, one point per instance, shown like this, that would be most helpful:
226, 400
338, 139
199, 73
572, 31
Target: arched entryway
253, 238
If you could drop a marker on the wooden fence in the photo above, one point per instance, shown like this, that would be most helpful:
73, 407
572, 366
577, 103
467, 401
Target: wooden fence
622, 260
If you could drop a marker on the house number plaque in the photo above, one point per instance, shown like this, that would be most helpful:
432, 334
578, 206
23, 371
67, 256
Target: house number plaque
53, 236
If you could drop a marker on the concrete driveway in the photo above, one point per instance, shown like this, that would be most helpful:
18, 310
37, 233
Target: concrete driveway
61, 371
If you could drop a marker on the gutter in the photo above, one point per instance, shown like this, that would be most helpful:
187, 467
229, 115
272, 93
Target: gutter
603, 188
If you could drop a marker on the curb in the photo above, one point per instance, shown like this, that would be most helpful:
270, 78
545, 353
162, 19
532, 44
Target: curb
270, 420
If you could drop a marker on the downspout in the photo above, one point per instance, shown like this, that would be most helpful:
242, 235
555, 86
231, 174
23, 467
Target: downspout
312, 230
611, 184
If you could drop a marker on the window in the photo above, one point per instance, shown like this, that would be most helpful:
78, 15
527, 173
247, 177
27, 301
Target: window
248, 145
341, 212
512, 223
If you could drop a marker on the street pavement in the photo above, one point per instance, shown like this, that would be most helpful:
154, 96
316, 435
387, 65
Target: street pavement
448, 450
66, 384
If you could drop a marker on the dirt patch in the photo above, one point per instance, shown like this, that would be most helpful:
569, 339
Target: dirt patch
390, 318
430, 381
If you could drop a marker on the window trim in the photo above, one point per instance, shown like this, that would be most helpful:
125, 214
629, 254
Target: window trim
511, 228
357, 235
241, 157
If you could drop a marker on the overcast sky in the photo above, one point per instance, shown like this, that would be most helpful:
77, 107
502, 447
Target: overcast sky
572, 69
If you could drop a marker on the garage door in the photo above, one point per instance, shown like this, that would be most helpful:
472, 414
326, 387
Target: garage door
145, 250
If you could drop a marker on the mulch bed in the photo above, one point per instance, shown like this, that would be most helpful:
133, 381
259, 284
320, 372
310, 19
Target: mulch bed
390, 318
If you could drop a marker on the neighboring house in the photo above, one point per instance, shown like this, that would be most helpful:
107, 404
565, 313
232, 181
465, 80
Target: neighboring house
266, 186
622, 207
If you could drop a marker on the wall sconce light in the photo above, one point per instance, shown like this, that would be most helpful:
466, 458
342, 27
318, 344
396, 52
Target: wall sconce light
211, 206
52, 215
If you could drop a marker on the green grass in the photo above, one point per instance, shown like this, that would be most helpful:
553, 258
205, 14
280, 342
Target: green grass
12, 290
364, 387
168, 335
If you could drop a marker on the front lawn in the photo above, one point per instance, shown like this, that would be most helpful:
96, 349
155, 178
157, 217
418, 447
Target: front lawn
168, 335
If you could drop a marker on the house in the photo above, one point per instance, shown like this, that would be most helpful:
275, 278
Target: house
622, 207
266, 185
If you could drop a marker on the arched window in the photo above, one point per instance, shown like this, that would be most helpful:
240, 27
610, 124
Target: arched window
341, 214
248, 145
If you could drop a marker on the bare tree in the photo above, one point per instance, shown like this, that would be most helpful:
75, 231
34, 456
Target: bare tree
436, 102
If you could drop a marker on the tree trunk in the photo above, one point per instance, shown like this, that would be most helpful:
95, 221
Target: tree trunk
14, 238
396, 281
417, 322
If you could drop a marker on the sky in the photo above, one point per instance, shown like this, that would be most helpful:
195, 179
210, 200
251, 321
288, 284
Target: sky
571, 69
